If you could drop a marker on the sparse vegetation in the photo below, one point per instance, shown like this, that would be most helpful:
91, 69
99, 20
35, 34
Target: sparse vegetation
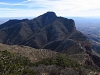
15, 64
11, 64
60, 60
45, 33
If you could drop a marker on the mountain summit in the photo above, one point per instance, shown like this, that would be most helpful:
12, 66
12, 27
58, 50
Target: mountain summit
45, 31
49, 31
49, 15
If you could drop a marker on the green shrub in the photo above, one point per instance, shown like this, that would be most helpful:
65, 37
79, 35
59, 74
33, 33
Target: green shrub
12, 64
60, 60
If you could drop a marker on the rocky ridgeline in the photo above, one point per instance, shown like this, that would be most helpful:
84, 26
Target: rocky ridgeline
46, 36
33, 54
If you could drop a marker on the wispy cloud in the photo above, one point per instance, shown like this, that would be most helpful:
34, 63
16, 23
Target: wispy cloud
61, 7
7, 9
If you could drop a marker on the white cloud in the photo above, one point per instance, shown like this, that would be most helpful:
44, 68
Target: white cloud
7, 9
61, 7
20, 12
10, 4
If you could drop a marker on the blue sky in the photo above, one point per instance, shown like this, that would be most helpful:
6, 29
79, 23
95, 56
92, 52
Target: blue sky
33, 8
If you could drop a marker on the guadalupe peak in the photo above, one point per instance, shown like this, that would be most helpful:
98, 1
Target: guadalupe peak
50, 13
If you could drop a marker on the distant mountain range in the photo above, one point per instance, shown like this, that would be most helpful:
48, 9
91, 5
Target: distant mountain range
90, 27
2, 20
50, 32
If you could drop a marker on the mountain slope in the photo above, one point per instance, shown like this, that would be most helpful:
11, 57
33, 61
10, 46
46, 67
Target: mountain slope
49, 36
44, 62
90, 27
33, 54
47, 31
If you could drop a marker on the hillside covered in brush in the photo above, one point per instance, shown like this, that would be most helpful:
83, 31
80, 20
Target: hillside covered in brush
45, 31
22, 62
51, 43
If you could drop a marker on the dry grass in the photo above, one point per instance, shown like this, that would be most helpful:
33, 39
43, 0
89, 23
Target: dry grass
32, 53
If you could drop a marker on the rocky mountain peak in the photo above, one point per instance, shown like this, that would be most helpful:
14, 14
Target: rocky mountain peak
46, 31
41, 32
49, 32
45, 18
50, 14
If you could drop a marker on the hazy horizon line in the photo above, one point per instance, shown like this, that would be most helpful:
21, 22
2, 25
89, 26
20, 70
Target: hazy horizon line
58, 16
